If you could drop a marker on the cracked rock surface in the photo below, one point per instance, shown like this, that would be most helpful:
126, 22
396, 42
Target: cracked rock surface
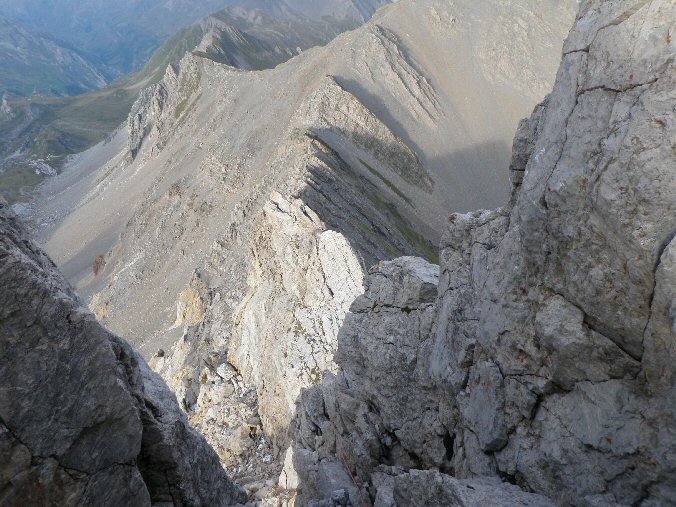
302, 281
551, 342
83, 419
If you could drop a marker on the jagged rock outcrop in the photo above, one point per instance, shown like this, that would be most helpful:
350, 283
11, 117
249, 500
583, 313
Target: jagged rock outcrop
83, 419
161, 108
388, 330
382, 406
369, 132
302, 281
552, 360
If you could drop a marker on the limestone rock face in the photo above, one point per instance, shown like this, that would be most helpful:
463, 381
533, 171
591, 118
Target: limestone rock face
83, 420
148, 120
417, 487
561, 295
547, 359
382, 407
302, 281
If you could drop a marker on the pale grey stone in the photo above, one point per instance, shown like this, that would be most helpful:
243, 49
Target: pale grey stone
551, 363
433, 489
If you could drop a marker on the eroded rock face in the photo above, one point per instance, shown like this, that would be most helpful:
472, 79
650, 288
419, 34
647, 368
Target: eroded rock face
83, 420
302, 281
382, 407
552, 362
561, 299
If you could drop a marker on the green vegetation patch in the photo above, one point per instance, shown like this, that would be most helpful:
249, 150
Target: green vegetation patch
389, 184
16, 180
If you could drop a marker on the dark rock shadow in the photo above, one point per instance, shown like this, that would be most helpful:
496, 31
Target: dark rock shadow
366, 201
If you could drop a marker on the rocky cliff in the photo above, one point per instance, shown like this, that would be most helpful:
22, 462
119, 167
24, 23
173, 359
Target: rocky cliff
83, 419
546, 357
532, 366
301, 284
370, 143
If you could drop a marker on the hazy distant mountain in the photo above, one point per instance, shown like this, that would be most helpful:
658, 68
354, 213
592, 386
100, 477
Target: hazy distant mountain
89, 42
37, 134
358, 10
32, 63
118, 35
121, 35
259, 34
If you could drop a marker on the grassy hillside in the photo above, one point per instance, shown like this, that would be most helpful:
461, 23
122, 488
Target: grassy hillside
52, 128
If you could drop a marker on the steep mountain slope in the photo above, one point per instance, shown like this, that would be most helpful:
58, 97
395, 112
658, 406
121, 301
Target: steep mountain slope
542, 353
260, 35
357, 10
37, 135
378, 133
534, 366
396, 123
32, 63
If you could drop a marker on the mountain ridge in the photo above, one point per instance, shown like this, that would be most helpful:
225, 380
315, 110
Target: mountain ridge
367, 135
36, 64
41, 133
261, 213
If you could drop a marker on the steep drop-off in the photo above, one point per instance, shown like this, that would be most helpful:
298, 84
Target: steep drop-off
389, 141
534, 366
379, 134
83, 419
547, 357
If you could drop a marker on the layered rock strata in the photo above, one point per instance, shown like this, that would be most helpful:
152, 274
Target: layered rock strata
302, 282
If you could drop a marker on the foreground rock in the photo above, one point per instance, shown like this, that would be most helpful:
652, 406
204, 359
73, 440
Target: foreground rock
548, 358
83, 420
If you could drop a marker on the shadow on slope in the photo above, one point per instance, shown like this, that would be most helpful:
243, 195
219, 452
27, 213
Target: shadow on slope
377, 211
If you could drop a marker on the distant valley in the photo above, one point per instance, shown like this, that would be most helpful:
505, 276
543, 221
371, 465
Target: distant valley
38, 133
35, 64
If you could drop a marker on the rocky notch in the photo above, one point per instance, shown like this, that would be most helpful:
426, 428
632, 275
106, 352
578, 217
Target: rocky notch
83, 419
551, 359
